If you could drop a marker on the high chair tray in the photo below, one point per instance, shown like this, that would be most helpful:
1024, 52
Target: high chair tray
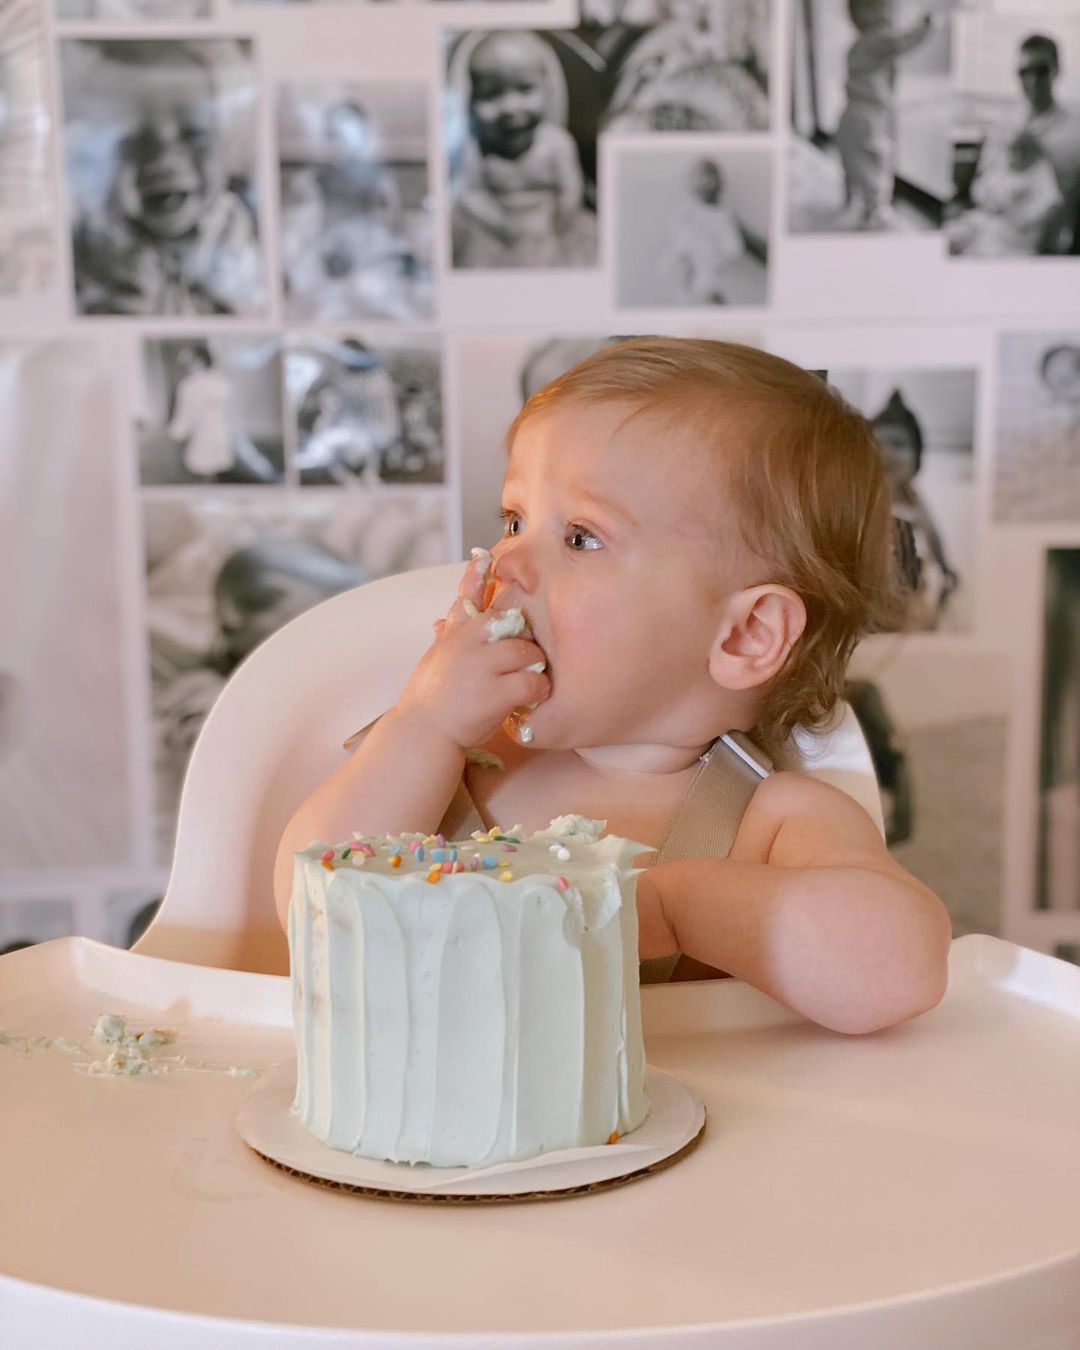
915, 1189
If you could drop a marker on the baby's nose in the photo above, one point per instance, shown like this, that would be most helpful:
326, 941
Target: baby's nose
513, 570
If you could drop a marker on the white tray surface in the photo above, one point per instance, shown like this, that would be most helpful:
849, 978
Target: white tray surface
835, 1171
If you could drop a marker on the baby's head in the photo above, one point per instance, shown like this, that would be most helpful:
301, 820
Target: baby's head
698, 533
170, 165
867, 14
1060, 371
194, 356
1024, 150
707, 181
508, 91
900, 440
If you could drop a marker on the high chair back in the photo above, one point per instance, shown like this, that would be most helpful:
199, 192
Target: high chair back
277, 730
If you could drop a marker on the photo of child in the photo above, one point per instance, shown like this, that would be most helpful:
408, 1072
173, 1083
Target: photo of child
160, 167
692, 229
872, 101
366, 415
684, 65
520, 191
924, 425
1058, 860
355, 200
1037, 463
225, 573
1016, 160
212, 411
1012, 206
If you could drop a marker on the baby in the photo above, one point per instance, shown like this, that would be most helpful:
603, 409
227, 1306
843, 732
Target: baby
697, 533
171, 237
1015, 201
520, 201
866, 132
706, 240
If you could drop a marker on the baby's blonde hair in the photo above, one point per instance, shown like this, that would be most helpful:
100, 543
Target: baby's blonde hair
805, 481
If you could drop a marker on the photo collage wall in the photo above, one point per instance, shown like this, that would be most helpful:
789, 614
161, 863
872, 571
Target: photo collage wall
275, 276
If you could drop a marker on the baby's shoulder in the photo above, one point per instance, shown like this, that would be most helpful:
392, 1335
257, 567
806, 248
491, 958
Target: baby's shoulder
797, 820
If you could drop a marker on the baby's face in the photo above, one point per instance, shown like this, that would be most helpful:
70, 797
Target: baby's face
708, 186
897, 453
1062, 374
616, 549
169, 167
507, 94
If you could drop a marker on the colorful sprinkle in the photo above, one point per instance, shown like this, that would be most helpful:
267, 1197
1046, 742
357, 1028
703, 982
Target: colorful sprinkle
613, 1137
562, 883
328, 856
395, 860
447, 866
419, 855
490, 860
506, 876
440, 839
458, 866
474, 862
509, 848
328, 865
438, 855
432, 877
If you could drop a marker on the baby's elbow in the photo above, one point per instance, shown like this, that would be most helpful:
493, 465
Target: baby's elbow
906, 989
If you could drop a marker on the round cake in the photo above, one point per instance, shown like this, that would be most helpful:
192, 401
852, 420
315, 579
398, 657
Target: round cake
471, 1002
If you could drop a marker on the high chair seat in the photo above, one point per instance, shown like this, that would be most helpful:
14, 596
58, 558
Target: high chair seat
276, 731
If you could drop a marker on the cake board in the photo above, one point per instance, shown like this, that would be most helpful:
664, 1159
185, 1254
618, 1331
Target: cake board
671, 1131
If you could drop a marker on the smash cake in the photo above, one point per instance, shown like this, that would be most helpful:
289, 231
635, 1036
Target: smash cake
468, 1003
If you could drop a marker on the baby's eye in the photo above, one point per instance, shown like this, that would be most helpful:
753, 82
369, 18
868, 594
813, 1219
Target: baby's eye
508, 518
580, 532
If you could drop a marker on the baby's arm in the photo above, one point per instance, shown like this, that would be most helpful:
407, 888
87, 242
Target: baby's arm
403, 775
810, 908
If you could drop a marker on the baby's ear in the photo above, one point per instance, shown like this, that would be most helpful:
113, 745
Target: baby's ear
758, 629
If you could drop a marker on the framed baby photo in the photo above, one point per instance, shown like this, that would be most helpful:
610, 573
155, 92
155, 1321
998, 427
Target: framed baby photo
692, 226
1015, 143
225, 570
521, 112
366, 411
923, 420
355, 200
871, 107
1037, 451
683, 65
211, 410
159, 140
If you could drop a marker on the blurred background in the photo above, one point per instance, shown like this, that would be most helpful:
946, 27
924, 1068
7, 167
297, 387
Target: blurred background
270, 296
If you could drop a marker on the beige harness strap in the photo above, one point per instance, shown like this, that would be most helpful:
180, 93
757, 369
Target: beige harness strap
705, 824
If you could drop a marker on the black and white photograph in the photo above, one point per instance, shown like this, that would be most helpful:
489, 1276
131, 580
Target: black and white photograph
1037, 455
223, 573
211, 410
367, 412
936, 723
27, 246
1058, 856
683, 65
65, 698
692, 226
160, 161
356, 206
924, 423
520, 120
871, 108
497, 373
118, 11
24, 923
1015, 144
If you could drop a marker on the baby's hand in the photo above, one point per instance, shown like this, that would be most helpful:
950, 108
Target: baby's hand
466, 685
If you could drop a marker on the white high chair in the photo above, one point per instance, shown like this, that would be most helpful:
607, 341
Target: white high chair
276, 731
